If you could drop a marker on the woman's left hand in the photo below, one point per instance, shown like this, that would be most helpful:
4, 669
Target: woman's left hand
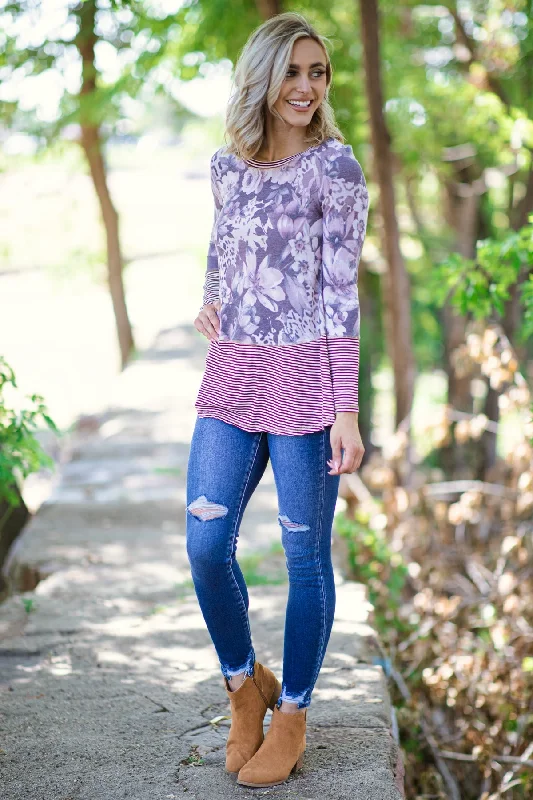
344, 435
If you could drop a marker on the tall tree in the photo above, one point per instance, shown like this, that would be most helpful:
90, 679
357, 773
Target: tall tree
461, 120
91, 141
397, 288
138, 37
269, 8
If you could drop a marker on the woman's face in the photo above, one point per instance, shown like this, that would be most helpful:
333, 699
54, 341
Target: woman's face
305, 82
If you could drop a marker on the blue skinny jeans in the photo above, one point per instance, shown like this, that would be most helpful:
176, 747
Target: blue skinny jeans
225, 466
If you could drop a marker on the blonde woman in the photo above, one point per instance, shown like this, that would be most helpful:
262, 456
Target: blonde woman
281, 311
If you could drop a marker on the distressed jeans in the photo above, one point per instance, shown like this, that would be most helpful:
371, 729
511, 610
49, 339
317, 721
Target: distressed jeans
225, 466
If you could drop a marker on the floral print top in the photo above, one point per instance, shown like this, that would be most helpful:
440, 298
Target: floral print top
283, 261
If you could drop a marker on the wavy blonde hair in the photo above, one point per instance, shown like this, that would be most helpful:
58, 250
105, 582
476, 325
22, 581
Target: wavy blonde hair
259, 74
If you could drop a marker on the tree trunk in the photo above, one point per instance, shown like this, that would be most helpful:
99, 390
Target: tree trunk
92, 147
269, 8
511, 322
397, 289
512, 319
489, 439
461, 212
371, 348
90, 141
12, 521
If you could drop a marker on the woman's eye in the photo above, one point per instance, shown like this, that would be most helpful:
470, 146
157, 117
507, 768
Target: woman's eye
317, 74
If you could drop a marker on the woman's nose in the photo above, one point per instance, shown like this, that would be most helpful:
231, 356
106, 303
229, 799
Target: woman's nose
304, 84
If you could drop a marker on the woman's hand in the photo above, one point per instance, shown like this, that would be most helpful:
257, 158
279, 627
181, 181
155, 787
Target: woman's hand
345, 434
208, 322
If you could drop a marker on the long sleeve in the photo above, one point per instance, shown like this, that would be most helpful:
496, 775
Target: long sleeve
211, 282
345, 210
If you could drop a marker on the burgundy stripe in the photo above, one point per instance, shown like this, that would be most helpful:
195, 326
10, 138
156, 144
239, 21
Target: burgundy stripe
286, 389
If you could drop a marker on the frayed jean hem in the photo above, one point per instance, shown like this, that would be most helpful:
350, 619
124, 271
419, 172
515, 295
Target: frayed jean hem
247, 667
303, 699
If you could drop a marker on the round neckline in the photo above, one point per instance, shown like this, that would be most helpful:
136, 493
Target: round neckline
279, 162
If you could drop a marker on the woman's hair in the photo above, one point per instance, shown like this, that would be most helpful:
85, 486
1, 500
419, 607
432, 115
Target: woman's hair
259, 74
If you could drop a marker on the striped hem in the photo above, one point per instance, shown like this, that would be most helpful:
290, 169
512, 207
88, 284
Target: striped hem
286, 389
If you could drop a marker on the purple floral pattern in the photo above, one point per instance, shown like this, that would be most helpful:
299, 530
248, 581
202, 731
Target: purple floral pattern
286, 243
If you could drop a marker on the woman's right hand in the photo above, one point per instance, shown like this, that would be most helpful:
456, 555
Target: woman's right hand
208, 322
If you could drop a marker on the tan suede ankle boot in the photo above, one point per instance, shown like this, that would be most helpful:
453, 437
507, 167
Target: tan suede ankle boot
281, 752
249, 705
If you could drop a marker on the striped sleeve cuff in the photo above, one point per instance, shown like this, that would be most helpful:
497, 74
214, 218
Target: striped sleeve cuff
211, 287
344, 362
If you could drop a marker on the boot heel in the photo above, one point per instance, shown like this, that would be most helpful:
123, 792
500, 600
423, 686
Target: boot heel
299, 764
275, 696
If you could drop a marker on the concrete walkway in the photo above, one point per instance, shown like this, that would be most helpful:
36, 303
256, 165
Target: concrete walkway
109, 684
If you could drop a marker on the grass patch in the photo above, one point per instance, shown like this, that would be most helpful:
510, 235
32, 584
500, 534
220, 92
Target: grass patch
265, 567
194, 759
167, 470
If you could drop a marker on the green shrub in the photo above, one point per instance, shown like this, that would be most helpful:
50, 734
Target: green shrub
20, 452
372, 562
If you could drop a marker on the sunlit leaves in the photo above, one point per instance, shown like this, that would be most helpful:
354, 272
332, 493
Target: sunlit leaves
480, 287
20, 452
131, 40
